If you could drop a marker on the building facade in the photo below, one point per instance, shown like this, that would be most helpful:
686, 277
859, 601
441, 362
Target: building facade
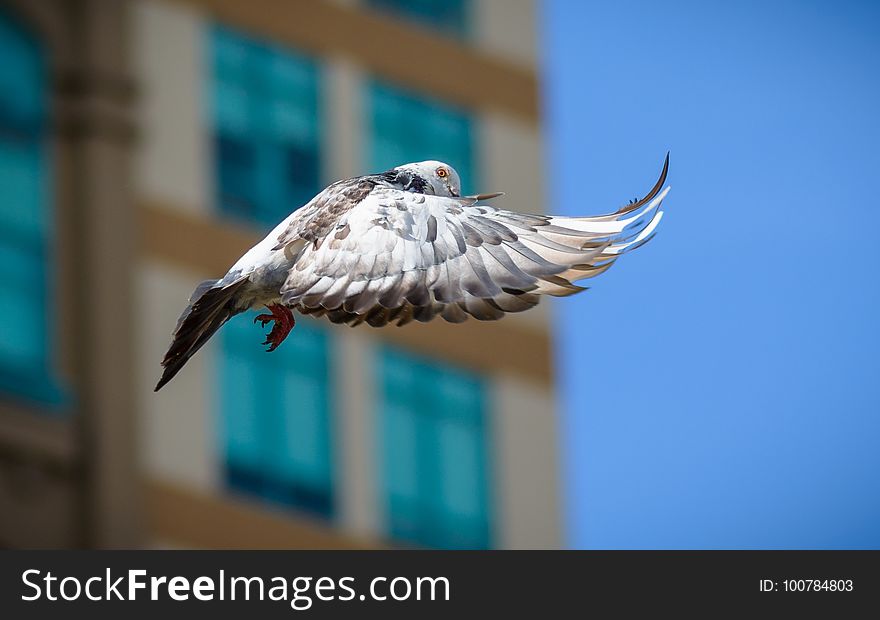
147, 145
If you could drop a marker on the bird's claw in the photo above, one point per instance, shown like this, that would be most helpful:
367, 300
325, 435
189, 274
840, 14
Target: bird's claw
263, 319
273, 345
284, 322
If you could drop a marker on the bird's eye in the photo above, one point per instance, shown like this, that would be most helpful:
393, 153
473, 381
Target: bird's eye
442, 173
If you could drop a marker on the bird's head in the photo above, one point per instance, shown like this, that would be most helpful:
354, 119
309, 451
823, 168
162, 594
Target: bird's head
428, 177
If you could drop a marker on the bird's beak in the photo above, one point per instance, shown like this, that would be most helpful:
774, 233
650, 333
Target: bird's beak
488, 196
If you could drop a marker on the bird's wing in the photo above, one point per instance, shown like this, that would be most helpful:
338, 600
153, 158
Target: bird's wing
317, 218
398, 256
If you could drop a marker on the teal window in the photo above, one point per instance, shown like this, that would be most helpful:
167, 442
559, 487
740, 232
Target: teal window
265, 113
275, 411
25, 220
447, 16
405, 127
434, 446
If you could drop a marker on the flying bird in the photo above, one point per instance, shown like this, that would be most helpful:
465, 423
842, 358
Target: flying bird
405, 245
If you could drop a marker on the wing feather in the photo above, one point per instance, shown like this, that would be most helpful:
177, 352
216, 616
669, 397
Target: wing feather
398, 256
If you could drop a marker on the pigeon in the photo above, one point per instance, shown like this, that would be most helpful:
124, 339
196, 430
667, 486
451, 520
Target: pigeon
405, 245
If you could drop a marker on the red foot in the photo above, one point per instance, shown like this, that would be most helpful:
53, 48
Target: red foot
284, 322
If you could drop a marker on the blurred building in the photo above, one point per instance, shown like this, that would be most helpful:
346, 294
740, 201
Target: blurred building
144, 145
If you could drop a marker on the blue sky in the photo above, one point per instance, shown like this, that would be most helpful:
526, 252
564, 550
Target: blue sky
720, 387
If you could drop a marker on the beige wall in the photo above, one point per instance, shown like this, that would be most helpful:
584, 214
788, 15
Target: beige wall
525, 445
511, 153
170, 162
357, 466
507, 28
178, 431
343, 142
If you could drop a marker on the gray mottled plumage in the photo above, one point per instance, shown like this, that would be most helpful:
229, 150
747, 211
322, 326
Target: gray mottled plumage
404, 245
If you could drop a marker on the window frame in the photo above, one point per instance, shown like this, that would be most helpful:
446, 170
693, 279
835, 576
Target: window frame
423, 407
268, 192
271, 476
39, 382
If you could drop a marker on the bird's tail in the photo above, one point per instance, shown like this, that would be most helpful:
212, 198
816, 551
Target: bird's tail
210, 306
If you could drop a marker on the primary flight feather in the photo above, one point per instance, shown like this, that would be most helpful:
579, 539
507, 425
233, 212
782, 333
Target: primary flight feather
404, 245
